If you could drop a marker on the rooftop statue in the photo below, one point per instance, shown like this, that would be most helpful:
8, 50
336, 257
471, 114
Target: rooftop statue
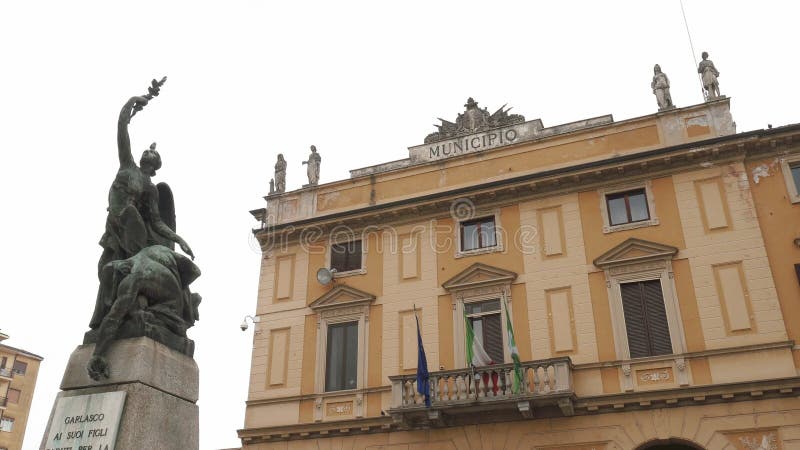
314, 161
138, 269
474, 120
280, 175
709, 75
660, 86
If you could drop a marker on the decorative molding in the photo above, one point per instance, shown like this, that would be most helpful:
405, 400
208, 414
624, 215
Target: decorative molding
693, 355
301, 397
641, 267
474, 120
633, 251
593, 175
757, 439
479, 275
627, 380
654, 376
683, 374
341, 296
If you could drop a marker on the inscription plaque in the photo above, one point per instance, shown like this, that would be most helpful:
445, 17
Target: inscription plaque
339, 409
86, 422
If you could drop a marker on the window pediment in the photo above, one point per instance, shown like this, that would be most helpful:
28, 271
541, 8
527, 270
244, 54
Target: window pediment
634, 251
479, 275
342, 296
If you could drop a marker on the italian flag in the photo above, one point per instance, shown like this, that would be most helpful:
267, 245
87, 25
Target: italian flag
517, 382
476, 355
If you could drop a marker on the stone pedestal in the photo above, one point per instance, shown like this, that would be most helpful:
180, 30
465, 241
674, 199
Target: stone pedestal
161, 390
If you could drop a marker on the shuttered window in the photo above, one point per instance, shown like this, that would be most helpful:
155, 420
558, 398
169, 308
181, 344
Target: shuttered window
19, 367
645, 319
13, 395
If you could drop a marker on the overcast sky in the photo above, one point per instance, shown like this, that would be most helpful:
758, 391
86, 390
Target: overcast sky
248, 79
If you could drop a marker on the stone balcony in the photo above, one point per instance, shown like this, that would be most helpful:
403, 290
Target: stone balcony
470, 395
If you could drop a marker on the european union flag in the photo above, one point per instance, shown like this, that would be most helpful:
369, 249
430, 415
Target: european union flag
423, 383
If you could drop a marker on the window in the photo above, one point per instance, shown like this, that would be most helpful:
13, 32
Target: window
20, 368
477, 234
6, 424
645, 319
627, 207
341, 362
3, 362
791, 175
13, 395
485, 319
346, 256
795, 169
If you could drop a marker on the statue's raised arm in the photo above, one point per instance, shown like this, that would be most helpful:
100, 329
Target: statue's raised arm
131, 107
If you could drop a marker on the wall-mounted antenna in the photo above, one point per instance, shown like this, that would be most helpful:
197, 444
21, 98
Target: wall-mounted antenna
691, 46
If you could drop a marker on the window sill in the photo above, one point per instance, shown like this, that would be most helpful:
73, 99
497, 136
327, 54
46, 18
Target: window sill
349, 273
479, 251
630, 226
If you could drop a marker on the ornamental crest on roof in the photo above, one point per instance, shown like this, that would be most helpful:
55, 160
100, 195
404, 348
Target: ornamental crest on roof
473, 120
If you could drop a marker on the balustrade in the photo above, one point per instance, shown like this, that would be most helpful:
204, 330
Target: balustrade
485, 384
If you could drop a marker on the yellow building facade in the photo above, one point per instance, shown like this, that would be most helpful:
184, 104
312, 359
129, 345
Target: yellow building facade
647, 267
18, 372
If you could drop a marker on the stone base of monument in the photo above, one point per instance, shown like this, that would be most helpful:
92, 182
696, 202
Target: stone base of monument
149, 401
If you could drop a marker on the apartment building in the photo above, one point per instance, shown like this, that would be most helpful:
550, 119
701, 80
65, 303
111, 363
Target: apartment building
648, 269
18, 371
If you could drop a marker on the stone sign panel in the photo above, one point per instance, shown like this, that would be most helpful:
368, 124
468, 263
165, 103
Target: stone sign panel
86, 422
339, 409
472, 143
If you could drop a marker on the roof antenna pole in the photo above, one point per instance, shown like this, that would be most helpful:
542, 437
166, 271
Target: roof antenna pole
691, 45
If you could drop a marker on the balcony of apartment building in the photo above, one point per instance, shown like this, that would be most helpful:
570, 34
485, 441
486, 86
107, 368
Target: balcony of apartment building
6, 374
461, 395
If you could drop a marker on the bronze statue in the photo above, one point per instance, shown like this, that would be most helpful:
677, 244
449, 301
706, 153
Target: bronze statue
135, 205
153, 292
138, 270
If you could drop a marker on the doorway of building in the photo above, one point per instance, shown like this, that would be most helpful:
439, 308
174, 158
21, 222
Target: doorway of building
669, 444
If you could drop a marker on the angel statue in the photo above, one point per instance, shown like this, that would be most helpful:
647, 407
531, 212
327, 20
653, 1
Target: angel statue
140, 215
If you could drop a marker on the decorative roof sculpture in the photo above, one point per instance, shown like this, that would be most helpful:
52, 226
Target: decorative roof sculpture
474, 120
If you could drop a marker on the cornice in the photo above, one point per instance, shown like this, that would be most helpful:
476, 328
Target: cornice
579, 177
608, 403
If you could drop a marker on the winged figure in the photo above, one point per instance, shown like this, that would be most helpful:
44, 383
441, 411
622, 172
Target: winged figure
140, 213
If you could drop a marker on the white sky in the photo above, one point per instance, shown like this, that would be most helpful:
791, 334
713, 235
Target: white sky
248, 79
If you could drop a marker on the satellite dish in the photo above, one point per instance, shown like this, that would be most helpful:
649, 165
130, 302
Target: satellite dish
325, 276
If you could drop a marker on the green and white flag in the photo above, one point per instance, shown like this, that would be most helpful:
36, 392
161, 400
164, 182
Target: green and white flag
512, 344
476, 355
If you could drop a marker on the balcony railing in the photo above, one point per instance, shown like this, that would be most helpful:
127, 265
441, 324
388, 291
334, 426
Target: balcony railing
6, 373
460, 391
